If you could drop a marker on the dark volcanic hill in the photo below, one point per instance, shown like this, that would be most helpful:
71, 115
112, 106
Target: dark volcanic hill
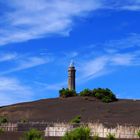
90, 109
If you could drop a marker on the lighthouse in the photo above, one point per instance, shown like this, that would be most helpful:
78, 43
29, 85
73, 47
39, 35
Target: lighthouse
71, 76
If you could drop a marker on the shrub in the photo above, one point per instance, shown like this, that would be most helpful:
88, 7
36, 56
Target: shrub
96, 137
138, 133
3, 120
80, 133
1, 131
24, 120
99, 95
76, 120
86, 92
67, 93
106, 95
33, 134
106, 99
111, 136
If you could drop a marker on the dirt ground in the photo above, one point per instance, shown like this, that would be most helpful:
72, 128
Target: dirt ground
89, 108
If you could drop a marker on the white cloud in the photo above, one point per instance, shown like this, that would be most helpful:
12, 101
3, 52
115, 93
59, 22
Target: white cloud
12, 91
26, 20
30, 62
26, 63
131, 41
37, 18
132, 5
71, 55
102, 65
115, 54
52, 87
7, 57
93, 68
124, 59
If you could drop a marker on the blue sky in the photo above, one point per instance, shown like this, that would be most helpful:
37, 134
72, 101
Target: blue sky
39, 38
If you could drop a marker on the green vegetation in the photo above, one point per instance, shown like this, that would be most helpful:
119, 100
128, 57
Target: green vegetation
96, 137
105, 95
80, 133
111, 136
24, 120
138, 133
67, 93
33, 134
86, 92
76, 120
3, 120
1, 131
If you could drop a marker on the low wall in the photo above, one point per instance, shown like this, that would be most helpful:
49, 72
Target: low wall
29, 125
127, 131
9, 127
119, 131
59, 129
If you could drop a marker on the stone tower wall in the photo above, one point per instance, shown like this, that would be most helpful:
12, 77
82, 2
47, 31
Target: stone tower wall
71, 78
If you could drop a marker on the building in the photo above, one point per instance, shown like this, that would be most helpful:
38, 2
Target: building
71, 76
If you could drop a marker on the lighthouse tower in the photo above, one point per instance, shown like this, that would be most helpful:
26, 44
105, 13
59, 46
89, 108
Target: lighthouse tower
71, 76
